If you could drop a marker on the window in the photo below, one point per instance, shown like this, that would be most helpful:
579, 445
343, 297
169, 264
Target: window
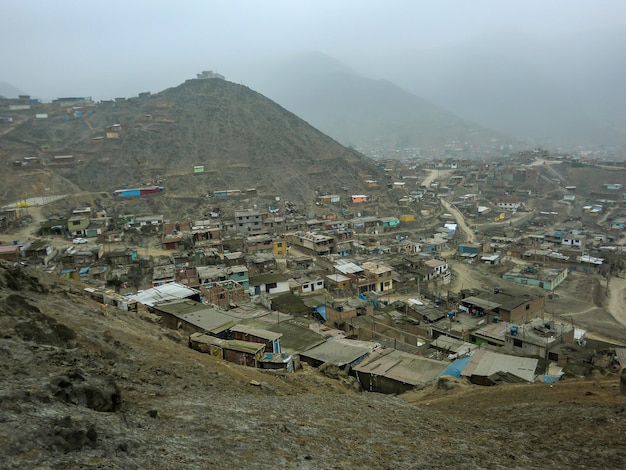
553, 356
517, 343
527, 306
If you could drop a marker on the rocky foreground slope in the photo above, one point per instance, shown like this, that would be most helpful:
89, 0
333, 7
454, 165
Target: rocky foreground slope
85, 388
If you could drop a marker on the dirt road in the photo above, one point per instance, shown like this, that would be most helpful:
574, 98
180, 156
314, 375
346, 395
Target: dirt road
460, 220
617, 299
436, 175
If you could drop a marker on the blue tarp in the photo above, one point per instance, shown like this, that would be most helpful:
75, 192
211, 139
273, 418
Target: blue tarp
550, 379
322, 311
455, 368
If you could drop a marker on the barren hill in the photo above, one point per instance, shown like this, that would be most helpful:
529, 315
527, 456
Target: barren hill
83, 388
243, 139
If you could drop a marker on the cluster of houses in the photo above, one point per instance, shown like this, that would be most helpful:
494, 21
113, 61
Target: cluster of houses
487, 337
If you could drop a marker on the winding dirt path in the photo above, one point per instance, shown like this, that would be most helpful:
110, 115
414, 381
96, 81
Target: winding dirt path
460, 220
617, 299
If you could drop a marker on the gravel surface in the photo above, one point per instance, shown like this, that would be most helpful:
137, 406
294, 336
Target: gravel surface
83, 389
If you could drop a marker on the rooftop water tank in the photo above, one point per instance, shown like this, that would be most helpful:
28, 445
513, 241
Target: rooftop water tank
514, 329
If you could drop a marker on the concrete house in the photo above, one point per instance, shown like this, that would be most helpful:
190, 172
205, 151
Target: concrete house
338, 282
438, 266
361, 280
359, 198
249, 220
510, 305
389, 221
577, 241
280, 247
260, 262
381, 275
269, 284
163, 275
537, 337
509, 204
434, 245
307, 285
207, 275
546, 278
312, 243
224, 294
77, 226
259, 243
338, 313
205, 230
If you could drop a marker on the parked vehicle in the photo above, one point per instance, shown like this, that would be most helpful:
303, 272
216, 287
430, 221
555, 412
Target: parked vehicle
79, 241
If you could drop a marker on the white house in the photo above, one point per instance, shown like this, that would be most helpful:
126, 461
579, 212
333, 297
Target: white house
509, 204
437, 265
574, 240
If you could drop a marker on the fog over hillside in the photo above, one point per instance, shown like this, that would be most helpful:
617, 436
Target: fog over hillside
547, 72
361, 111
564, 89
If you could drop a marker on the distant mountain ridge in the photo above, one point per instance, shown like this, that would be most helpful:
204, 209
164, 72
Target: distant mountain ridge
561, 90
360, 111
9, 91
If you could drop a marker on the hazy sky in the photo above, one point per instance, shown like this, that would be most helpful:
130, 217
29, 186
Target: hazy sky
106, 49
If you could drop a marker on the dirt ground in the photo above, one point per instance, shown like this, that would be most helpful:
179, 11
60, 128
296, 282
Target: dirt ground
460, 220
180, 408
434, 175
582, 299
617, 299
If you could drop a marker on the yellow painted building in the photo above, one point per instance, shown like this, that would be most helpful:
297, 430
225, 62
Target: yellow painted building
280, 247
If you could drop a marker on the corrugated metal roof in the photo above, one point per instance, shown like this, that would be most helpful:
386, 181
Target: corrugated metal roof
243, 346
453, 345
259, 333
340, 351
207, 320
172, 291
486, 363
482, 303
402, 367
348, 268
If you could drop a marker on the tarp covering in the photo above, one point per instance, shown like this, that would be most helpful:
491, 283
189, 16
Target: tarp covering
455, 368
